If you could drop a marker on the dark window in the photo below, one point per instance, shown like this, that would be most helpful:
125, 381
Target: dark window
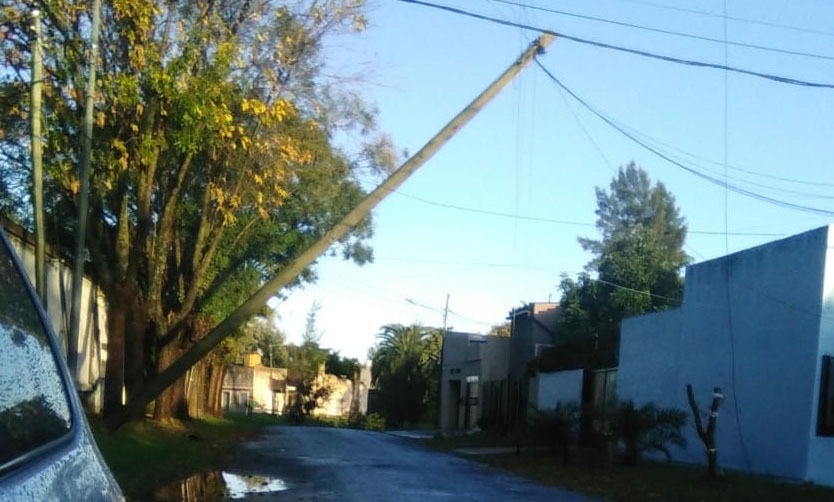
825, 423
33, 404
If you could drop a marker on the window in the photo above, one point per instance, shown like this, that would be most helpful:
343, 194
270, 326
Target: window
34, 409
825, 421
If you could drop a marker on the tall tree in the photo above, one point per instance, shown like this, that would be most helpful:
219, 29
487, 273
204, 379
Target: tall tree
636, 268
404, 370
213, 157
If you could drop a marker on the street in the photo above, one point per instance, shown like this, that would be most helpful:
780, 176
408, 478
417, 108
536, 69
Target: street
323, 464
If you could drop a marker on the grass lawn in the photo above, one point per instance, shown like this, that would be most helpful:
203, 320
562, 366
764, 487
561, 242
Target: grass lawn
144, 455
649, 481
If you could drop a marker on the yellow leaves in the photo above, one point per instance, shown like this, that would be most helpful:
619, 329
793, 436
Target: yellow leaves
100, 118
360, 24
134, 128
137, 57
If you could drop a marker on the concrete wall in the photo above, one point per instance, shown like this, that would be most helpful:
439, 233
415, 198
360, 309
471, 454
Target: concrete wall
649, 358
749, 324
92, 343
561, 387
269, 388
820, 448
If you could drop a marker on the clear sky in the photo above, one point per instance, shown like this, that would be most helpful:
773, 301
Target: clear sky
534, 155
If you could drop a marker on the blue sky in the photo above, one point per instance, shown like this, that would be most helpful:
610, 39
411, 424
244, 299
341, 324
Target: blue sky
536, 154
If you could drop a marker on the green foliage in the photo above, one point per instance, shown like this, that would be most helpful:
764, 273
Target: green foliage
369, 422
405, 371
341, 366
214, 159
557, 428
258, 336
502, 329
647, 428
635, 269
306, 362
312, 334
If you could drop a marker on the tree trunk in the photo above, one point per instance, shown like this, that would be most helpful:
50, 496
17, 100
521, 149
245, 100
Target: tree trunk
707, 434
215, 401
171, 403
136, 355
197, 389
114, 368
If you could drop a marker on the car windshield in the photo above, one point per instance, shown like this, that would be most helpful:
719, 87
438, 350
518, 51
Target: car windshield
33, 405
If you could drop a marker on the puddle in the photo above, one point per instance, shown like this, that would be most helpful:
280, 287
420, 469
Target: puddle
219, 485
239, 486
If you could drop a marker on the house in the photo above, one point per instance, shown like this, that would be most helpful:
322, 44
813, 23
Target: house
759, 325
473, 378
486, 380
531, 330
255, 385
252, 386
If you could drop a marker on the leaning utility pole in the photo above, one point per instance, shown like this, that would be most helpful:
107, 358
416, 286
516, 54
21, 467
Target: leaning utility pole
201, 348
37, 157
83, 198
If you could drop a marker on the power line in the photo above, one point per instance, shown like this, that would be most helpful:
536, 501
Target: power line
715, 181
669, 32
636, 52
564, 222
731, 18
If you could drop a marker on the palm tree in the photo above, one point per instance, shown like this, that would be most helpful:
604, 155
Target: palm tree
404, 367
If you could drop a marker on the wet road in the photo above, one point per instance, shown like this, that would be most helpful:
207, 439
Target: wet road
321, 464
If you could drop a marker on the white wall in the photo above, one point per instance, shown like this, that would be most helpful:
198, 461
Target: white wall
749, 324
558, 387
92, 354
821, 449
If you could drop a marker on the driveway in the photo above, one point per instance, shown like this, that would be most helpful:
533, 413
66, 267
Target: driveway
322, 464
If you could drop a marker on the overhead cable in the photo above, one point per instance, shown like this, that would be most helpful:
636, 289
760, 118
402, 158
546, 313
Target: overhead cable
668, 32
737, 19
564, 222
637, 52
713, 180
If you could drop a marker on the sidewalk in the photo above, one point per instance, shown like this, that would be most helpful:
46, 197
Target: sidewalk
413, 434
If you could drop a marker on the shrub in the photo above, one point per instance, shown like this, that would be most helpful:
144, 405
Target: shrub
647, 428
372, 422
556, 428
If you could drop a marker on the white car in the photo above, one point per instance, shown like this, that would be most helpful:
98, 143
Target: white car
47, 451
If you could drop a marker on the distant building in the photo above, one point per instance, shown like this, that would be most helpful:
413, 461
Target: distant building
252, 386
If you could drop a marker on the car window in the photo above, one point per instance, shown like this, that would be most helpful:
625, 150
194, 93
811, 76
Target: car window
34, 409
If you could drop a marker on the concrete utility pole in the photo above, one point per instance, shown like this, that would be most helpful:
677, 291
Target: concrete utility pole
446, 313
83, 197
295, 267
37, 157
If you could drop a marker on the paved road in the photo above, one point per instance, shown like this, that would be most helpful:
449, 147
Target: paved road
322, 464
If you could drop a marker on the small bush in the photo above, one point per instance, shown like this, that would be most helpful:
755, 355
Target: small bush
556, 428
647, 428
372, 422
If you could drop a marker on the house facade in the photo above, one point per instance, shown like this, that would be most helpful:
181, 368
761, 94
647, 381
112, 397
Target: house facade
254, 387
471, 364
759, 325
486, 380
